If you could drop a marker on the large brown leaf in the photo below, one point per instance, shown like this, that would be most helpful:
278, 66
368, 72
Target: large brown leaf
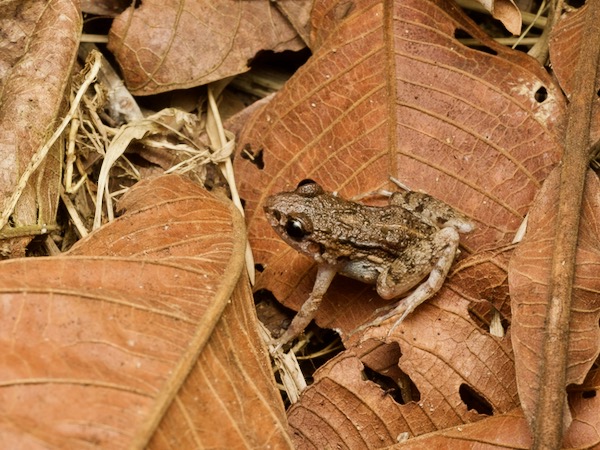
343, 408
39, 46
175, 44
529, 279
231, 385
390, 91
351, 403
105, 340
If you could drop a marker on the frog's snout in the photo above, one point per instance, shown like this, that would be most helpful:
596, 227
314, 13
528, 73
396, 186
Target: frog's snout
273, 215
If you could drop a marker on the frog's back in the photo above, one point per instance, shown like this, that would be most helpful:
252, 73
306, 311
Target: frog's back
355, 230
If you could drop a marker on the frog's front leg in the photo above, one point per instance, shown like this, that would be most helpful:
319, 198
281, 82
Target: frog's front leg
307, 312
445, 246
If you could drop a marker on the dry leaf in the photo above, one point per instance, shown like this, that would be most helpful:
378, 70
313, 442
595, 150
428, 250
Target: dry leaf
38, 51
483, 280
297, 12
231, 385
565, 45
392, 92
102, 340
510, 430
108, 8
166, 45
355, 402
529, 279
451, 384
506, 12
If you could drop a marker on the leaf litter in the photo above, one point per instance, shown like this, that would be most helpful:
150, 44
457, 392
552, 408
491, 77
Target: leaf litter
452, 135
432, 400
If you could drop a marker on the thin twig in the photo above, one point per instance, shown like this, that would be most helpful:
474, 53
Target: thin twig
220, 142
74, 215
70, 156
540, 50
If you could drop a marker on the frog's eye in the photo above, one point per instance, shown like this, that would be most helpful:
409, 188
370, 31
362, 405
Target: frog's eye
309, 188
297, 228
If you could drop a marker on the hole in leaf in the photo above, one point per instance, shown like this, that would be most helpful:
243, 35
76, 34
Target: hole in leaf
473, 42
388, 385
254, 158
286, 62
588, 394
381, 367
475, 401
264, 295
541, 94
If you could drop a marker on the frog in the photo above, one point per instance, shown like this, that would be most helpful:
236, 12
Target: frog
405, 248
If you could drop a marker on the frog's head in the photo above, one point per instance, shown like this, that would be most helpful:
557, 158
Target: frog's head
291, 214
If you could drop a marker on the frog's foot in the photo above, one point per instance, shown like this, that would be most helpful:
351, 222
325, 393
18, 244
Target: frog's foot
394, 312
410, 303
404, 308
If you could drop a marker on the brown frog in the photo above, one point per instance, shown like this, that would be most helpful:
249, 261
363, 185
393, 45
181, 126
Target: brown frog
393, 247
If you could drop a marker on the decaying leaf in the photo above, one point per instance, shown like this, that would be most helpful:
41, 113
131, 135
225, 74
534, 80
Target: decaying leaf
166, 45
510, 430
415, 383
529, 280
437, 394
390, 91
39, 47
105, 339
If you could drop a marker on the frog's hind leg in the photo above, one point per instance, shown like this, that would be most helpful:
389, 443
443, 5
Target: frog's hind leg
447, 242
433, 211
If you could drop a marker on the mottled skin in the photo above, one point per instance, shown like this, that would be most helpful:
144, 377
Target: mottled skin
393, 246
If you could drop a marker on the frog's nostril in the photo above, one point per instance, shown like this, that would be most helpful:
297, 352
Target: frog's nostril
277, 215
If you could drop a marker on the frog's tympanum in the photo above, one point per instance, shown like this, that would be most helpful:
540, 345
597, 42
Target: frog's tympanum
393, 247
